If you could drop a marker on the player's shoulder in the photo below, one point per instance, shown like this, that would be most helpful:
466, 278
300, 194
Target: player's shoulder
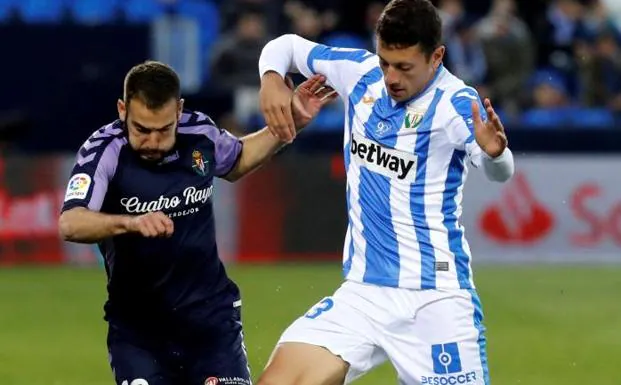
200, 126
105, 143
112, 133
191, 118
330, 52
457, 95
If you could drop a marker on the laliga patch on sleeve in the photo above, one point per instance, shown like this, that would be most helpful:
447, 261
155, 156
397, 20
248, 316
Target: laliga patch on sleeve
78, 186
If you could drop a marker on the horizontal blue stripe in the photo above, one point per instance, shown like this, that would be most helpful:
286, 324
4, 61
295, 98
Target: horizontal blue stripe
323, 52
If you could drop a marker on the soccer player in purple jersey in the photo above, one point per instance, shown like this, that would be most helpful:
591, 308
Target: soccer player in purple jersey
141, 189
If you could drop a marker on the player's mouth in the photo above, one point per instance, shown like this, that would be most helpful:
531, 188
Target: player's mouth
151, 155
397, 92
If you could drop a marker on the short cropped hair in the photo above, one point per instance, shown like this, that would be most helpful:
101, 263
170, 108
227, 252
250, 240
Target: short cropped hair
153, 83
405, 23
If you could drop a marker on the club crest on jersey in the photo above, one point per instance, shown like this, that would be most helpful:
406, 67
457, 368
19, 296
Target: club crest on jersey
199, 164
413, 119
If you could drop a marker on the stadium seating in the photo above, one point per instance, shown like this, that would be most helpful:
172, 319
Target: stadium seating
7, 8
42, 11
95, 12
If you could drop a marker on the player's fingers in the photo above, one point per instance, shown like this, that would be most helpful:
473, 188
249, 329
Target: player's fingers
503, 137
325, 92
168, 225
147, 229
476, 113
491, 113
161, 223
279, 123
317, 83
269, 122
328, 97
160, 226
494, 118
290, 122
289, 82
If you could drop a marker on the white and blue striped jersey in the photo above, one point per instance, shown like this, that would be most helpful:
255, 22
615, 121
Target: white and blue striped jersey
406, 165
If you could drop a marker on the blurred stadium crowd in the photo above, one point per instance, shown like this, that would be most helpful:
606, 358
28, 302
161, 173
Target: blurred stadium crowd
548, 64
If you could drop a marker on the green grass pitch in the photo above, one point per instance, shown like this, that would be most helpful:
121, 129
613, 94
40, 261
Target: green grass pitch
546, 325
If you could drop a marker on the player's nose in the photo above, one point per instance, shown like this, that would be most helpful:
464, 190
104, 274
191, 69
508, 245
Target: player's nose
391, 77
152, 140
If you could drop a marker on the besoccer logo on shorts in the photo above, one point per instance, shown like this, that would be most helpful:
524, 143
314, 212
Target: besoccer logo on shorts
78, 187
446, 358
447, 367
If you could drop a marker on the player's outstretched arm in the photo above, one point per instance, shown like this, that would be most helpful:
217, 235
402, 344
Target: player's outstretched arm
259, 147
342, 67
490, 136
82, 225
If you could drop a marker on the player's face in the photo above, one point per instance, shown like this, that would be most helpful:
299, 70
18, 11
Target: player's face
407, 71
151, 133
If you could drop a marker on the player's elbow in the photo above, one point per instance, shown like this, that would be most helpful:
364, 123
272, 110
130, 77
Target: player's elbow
67, 229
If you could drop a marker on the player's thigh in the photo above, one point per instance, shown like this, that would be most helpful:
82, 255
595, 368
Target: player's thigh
136, 364
303, 364
444, 345
333, 343
219, 357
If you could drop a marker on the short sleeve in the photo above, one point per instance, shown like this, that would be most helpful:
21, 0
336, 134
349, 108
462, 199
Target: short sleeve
94, 167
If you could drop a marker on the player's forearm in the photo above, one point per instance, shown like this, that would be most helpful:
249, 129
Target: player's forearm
501, 168
257, 149
81, 225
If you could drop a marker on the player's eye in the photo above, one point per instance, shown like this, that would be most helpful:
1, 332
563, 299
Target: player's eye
404, 68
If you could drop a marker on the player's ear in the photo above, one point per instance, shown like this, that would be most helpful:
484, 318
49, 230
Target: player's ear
120, 106
437, 56
180, 108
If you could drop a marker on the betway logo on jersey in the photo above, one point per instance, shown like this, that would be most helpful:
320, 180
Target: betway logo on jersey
189, 197
386, 161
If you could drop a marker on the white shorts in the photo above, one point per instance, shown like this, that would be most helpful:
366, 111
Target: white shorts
432, 337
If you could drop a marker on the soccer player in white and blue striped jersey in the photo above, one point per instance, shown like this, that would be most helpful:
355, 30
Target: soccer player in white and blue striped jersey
411, 131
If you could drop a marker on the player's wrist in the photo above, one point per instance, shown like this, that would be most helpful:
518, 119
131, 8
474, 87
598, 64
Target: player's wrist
124, 224
272, 76
497, 156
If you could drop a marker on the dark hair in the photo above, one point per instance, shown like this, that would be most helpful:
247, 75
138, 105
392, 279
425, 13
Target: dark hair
154, 83
405, 23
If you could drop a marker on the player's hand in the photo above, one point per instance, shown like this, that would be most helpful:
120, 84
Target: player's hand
490, 135
309, 98
151, 225
275, 99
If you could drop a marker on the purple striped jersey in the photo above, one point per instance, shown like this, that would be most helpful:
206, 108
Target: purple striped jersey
158, 276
